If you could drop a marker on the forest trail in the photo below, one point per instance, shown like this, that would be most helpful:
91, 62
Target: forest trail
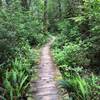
46, 84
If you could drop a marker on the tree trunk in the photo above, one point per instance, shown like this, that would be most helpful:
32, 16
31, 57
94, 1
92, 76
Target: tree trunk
73, 7
8, 2
0, 3
45, 16
60, 10
25, 4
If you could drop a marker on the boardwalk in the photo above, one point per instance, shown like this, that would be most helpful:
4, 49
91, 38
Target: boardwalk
46, 86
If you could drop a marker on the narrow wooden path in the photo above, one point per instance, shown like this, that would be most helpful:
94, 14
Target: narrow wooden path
46, 85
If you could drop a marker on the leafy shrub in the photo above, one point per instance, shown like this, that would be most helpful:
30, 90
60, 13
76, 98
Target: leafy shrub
60, 41
16, 80
19, 30
70, 31
71, 55
15, 29
77, 87
17, 75
80, 88
77, 46
94, 82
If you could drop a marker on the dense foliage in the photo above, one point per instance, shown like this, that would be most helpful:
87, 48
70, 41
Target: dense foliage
76, 49
19, 32
24, 24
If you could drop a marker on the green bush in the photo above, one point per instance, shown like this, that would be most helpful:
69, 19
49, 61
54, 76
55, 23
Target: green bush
81, 88
16, 80
19, 31
70, 32
71, 55
77, 87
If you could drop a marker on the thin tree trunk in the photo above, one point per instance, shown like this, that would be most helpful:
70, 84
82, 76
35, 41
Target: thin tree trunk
25, 4
8, 2
0, 3
60, 10
45, 16
30, 3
